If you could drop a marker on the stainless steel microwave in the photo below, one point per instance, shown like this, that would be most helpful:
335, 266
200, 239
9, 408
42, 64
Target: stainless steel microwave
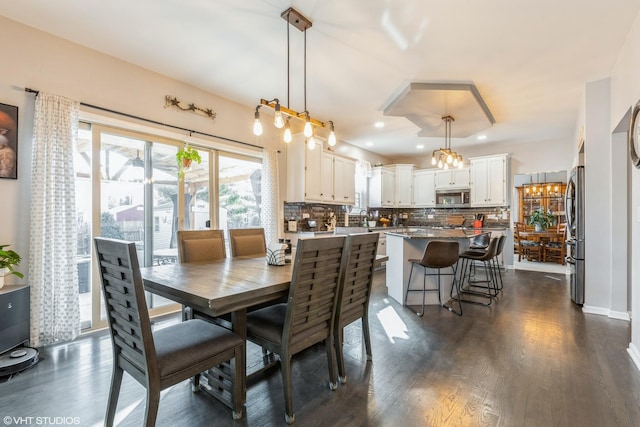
452, 198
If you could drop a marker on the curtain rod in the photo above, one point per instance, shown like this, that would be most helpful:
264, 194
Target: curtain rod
155, 122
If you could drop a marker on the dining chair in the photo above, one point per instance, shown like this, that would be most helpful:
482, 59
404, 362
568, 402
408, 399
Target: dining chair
157, 359
526, 248
200, 245
308, 316
556, 250
354, 292
247, 242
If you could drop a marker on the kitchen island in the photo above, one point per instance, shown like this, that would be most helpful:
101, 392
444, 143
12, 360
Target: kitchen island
410, 244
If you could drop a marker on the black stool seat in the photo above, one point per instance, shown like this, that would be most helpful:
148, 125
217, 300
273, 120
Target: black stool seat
437, 255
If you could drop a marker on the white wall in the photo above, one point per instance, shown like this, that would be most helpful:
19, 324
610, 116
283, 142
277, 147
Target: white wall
625, 92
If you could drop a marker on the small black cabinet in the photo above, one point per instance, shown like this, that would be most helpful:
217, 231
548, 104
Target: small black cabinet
14, 316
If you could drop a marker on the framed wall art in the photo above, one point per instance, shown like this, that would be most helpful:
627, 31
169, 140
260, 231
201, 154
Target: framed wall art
8, 141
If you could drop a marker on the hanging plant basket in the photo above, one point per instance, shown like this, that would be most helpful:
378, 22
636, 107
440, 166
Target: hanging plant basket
185, 158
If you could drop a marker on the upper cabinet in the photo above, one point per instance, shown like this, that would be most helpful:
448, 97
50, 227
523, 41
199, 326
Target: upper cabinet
318, 176
391, 186
344, 177
382, 187
424, 188
404, 186
452, 178
489, 180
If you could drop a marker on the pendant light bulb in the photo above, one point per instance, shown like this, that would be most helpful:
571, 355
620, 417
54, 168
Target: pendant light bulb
433, 160
455, 162
278, 120
308, 130
440, 163
446, 166
311, 143
287, 133
257, 126
449, 158
460, 164
332, 137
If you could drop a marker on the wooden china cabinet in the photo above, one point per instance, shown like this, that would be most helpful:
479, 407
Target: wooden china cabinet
544, 196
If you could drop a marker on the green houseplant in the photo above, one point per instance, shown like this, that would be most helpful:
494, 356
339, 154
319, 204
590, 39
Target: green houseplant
8, 260
185, 157
541, 219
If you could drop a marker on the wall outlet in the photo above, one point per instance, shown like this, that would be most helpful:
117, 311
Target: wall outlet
430, 216
305, 215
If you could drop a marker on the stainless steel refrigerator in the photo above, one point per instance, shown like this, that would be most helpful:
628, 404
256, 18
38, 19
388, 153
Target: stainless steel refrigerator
574, 206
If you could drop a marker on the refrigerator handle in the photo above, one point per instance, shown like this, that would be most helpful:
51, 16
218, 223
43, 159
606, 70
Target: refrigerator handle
568, 207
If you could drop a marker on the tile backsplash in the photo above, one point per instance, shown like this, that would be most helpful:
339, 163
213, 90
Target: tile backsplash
320, 213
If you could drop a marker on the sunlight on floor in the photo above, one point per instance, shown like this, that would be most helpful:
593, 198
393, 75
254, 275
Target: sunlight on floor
393, 326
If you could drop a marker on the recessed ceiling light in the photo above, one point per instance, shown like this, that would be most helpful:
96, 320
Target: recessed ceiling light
369, 144
379, 124
419, 146
482, 137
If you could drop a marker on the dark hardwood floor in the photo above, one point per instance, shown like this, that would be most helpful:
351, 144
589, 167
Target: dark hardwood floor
531, 359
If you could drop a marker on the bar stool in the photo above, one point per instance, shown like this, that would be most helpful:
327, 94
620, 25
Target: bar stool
486, 257
496, 262
479, 243
437, 255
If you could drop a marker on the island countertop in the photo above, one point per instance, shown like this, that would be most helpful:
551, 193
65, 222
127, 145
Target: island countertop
434, 233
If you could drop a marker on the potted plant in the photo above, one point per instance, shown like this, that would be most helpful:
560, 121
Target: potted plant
541, 219
8, 260
184, 157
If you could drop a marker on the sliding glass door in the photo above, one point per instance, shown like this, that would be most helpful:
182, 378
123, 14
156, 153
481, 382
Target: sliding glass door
128, 188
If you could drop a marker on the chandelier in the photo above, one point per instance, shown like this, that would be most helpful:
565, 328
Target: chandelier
445, 156
283, 115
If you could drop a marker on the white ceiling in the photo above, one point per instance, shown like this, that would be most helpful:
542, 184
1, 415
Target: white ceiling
529, 60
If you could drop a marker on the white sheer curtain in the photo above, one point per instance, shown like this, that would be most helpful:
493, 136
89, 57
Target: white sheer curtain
270, 196
55, 309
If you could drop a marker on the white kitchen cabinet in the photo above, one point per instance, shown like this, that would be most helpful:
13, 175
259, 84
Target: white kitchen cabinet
319, 176
382, 187
424, 188
403, 186
327, 178
303, 171
452, 178
344, 180
489, 176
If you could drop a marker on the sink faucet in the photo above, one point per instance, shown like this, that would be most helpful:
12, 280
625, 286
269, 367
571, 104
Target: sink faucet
363, 221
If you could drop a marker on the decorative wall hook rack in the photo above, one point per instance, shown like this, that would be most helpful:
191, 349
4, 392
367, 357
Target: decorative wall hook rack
170, 101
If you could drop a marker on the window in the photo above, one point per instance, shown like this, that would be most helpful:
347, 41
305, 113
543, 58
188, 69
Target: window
133, 193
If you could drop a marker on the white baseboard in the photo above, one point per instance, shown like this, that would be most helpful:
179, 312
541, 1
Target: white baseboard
635, 354
601, 311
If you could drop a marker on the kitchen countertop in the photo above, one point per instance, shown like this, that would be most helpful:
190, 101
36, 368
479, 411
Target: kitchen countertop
402, 230
438, 233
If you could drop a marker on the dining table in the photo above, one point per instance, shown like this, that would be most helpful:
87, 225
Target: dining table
217, 288
543, 237
223, 287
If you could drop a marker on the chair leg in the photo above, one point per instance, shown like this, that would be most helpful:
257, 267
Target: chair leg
153, 401
285, 367
338, 340
455, 284
114, 393
331, 361
367, 336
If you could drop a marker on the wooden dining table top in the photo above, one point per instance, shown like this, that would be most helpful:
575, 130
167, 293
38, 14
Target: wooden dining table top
542, 234
219, 287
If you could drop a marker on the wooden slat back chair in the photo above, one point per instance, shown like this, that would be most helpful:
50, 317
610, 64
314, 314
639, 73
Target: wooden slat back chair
526, 248
355, 291
247, 242
308, 316
201, 245
196, 246
556, 250
159, 359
